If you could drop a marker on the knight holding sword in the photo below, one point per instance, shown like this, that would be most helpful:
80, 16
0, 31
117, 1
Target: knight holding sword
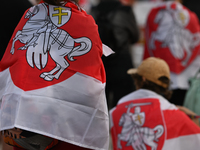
145, 120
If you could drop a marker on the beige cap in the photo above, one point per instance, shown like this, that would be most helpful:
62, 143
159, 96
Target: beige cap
152, 69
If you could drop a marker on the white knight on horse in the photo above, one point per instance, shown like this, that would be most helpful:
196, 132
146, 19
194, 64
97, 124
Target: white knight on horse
41, 35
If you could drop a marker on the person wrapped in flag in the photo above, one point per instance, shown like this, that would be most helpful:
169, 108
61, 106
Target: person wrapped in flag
52, 85
145, 120
172, 33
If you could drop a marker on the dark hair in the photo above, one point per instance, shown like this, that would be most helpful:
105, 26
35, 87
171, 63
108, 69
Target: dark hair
165, 92
57, 2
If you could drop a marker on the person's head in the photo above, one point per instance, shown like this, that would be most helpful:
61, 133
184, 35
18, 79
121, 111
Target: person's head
58, 2
152, 74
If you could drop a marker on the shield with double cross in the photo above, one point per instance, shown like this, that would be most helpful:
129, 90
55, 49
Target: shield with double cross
59, 15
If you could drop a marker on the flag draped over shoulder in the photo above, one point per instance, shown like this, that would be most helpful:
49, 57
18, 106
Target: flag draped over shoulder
53, 79
173, 34
145, 120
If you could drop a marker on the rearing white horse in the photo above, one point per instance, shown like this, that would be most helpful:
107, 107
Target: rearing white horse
41, 36
135, 135
171, 32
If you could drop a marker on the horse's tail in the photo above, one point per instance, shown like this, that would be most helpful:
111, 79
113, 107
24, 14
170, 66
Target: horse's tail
160, 130
84, 47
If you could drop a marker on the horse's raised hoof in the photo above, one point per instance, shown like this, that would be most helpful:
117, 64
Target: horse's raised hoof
48, 78
42, 75
12, 50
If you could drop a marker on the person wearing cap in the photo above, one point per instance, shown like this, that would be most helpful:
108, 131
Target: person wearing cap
145, 119
173, 34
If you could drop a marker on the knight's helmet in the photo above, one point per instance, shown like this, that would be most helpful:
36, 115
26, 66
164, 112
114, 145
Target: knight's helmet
137, 110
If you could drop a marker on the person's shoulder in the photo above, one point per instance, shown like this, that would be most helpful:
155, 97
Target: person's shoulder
138, 94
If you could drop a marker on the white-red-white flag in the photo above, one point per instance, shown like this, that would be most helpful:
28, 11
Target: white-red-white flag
53, 79
143, 120
172, 33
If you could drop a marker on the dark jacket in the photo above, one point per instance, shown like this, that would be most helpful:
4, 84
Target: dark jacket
11, 12
118, 30
125, 32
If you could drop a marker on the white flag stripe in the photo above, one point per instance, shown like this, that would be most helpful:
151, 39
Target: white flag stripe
189, 142
37, 111
164, 104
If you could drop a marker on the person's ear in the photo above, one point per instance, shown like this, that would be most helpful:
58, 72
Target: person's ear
143, 79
